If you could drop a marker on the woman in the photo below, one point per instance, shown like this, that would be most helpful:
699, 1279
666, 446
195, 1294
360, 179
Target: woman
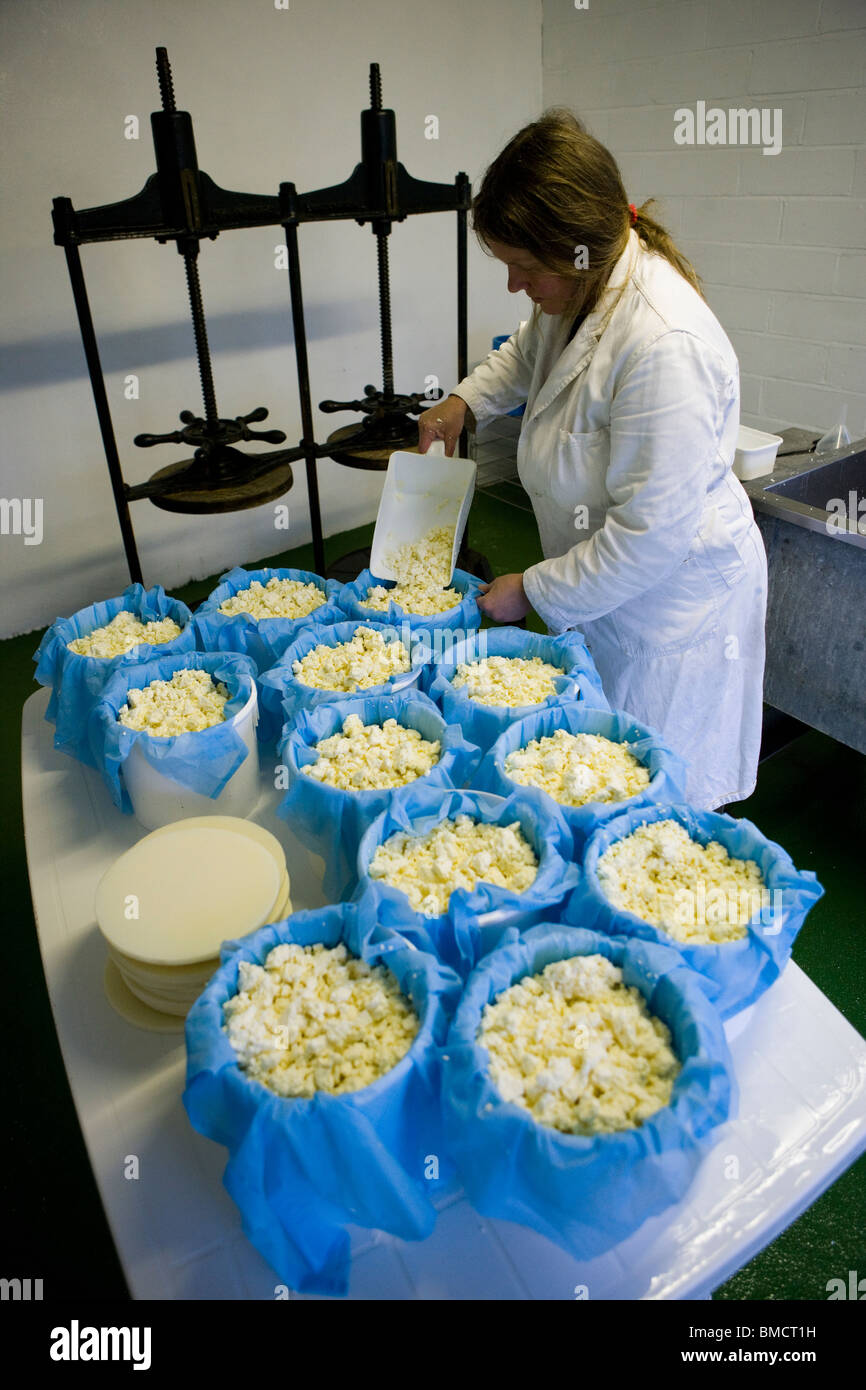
632, 409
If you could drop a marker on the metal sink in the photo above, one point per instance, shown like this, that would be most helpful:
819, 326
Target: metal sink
829, 498
816, 641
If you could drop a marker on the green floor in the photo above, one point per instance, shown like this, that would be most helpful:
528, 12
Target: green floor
811, 798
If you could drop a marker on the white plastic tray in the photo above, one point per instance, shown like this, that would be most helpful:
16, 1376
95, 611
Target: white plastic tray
417, 497
800, 1066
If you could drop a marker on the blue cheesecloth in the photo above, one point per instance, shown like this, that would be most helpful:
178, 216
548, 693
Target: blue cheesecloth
476, 920
462, 619
331, 821
484, 723
666, 769
734, 973
585, 1193
282, 695
77, 682
203, 760
302, 1170
265, 639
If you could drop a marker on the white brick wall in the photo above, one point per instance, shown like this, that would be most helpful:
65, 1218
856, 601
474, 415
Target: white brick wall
778, 239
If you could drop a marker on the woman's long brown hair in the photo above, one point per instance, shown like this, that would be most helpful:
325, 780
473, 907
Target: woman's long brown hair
555, 188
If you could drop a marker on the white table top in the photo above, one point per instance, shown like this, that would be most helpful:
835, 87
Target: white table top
800, 1066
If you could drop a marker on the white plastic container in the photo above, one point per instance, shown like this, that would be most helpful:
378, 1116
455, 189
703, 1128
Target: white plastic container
416, 498
755, 454
157, 800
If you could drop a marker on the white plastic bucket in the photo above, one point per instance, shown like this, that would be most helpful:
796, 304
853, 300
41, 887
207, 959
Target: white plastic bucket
158, 800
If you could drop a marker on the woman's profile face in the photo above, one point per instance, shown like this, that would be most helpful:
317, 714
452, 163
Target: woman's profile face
550, 292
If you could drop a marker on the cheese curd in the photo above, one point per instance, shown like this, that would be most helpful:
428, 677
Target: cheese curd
279, 598
364, 661
578, 768
696, 893
579, 1049
421, 599
188, 702
423, 569
315, 1018
507, 680
367, 757
124, 632
454, 854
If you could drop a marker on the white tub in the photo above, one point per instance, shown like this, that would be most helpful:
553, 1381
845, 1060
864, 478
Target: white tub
755, 454
158, 800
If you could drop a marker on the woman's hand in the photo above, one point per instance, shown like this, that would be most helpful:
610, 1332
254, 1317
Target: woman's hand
444, 420
505, 599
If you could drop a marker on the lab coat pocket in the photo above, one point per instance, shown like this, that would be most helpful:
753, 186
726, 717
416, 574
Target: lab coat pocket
578, 475
569, 475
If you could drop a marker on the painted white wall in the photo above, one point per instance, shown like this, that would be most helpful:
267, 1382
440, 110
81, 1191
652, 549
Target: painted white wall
274, 94
778, 239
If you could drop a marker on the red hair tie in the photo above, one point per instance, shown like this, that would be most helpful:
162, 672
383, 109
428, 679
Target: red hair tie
633, 210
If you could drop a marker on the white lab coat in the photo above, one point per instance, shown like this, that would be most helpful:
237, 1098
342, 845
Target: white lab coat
650, 545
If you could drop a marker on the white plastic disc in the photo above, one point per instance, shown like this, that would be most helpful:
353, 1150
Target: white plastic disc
178, 894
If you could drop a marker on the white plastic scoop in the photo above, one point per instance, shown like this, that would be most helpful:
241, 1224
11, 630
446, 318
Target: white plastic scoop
417, 497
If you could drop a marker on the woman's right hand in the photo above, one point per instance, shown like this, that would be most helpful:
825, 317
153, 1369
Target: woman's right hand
444, 420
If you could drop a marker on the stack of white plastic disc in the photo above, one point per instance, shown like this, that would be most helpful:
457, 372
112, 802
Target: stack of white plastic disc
166, 906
